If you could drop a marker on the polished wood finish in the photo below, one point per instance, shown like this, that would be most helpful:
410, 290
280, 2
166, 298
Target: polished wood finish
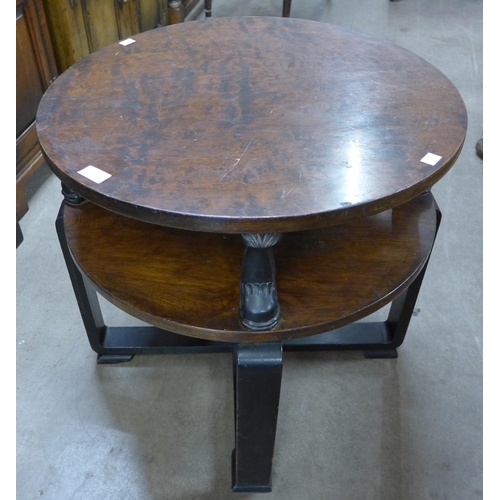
188, 282
81, 27
252, 125
307, 136
35, 70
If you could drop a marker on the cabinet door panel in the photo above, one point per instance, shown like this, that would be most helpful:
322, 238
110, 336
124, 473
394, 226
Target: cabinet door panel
29, 85
67, 30
128, 16
149, 14
35, 69
100, 23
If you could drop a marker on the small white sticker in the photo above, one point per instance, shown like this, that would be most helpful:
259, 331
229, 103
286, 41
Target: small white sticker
431, 159
127, 41
94, 174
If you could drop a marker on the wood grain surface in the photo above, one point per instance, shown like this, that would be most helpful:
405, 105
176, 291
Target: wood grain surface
252, 124
188, 282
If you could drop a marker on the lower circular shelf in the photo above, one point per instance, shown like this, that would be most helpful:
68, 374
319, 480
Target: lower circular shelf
188, 282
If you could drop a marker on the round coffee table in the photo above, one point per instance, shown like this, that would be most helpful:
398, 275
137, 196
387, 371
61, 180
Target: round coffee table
256, 183
251, 125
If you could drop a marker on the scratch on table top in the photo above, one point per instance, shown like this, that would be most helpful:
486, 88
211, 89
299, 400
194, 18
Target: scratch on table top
375, 290
276, 109
237, 161
285, 194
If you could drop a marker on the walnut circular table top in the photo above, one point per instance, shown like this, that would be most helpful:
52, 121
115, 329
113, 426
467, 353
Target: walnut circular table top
252, 124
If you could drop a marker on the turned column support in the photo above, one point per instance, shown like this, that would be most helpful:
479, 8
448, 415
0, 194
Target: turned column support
208, 8
71, 197
259, 305
175, 12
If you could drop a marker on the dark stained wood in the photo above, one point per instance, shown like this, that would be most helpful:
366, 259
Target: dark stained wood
29, 161
27, 95
35, 70
252, 125
188, 282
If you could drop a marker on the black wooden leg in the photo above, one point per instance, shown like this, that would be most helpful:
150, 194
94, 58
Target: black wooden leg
19, 233
287, 5
257, 385
401, 310
86, 298
208, 8
403, 306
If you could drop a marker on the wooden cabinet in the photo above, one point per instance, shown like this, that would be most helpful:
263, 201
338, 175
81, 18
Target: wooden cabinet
35, 70
80, 27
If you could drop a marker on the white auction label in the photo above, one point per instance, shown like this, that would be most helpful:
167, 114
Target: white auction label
126, 42
94, 174
431, 159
